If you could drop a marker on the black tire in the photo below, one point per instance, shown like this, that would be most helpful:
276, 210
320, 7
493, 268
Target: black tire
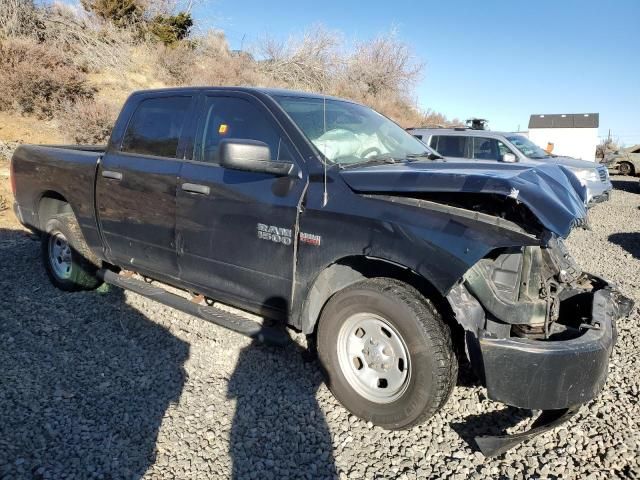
82, 266
625, 168
433, 367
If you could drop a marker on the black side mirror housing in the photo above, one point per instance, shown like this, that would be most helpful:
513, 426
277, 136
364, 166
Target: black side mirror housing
251, 156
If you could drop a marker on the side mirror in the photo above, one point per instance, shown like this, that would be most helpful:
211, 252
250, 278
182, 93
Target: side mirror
251, 156
509, 158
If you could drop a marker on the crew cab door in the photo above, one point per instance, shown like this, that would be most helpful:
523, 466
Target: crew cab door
222, 214
136, 183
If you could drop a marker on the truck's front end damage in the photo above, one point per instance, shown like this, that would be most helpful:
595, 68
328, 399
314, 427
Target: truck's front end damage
539, 332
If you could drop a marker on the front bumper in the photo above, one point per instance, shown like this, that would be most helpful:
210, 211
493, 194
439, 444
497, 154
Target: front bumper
554, 374
598, 192
604, 197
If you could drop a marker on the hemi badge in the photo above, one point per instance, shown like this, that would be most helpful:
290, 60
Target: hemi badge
310, 238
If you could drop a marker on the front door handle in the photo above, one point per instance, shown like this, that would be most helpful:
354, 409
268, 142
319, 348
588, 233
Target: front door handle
112, 175
196, 188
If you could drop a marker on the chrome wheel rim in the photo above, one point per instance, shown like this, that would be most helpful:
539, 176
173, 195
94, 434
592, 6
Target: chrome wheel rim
60, 255
373, 357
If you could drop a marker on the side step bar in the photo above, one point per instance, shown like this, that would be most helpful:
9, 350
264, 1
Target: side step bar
244, 326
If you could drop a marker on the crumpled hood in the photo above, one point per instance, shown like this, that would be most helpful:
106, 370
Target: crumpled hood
551, 192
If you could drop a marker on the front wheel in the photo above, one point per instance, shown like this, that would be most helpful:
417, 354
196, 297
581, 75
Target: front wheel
387, 353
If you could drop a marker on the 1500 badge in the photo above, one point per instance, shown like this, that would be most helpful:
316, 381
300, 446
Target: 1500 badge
275, 234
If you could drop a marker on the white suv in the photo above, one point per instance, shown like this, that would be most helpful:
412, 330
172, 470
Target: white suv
488, 146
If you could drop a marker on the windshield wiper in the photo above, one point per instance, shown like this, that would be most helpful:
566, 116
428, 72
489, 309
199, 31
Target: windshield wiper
427, 155
372, 160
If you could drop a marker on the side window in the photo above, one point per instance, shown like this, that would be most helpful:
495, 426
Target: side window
156, 126
419, 137
486, 149
236, 118
449, 145
433, 142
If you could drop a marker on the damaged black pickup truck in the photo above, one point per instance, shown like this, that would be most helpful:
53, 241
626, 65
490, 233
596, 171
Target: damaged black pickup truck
326, 216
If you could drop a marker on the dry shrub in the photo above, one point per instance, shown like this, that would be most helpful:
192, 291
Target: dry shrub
93, 44
41, 74
381, 67
88, 122
19, 17
174, 64
36, 78
310, 62
227, 70
208, 61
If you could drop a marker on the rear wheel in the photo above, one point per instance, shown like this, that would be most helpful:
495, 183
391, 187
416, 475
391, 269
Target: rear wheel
67, 258
625, 168
387, 354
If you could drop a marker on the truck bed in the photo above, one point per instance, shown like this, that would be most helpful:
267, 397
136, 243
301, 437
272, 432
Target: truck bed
68, 170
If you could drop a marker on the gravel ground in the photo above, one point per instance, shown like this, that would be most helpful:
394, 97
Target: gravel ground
109, 384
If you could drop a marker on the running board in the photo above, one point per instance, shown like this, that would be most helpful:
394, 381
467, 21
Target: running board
231, 321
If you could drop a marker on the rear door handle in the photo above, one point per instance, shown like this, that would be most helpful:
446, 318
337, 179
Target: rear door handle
112, 175
196, 188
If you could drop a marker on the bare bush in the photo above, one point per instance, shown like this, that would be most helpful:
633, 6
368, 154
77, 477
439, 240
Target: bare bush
383, 66
209, 61
119, 12
175, 64
606, 147
88, 122
18, 17
311, 62
116, 48
93, 44
35, 78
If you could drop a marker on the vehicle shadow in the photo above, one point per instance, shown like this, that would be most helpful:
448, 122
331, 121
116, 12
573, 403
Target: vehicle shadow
627, 185
278, 430
85, 379
630, 241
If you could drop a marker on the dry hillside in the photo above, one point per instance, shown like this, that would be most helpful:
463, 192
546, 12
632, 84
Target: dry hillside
65, 72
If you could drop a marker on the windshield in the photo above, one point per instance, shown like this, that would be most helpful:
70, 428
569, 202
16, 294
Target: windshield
347, 133
527, 147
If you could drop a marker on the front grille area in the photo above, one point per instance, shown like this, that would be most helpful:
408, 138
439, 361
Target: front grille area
602, 171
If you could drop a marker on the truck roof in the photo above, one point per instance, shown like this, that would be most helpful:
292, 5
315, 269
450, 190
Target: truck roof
272, 92
462, 131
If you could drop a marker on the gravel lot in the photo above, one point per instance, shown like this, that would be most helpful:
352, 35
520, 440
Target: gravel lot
109, 384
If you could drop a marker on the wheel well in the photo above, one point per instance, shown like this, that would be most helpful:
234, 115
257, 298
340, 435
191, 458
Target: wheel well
350, 270
51, 204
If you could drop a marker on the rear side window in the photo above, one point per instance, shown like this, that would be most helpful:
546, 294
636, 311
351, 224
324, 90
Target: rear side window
236, 118
449, 145
156, 127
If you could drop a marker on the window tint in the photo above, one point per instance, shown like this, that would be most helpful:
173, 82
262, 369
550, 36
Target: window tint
236, 118
485, 149
450, 146
156, 126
